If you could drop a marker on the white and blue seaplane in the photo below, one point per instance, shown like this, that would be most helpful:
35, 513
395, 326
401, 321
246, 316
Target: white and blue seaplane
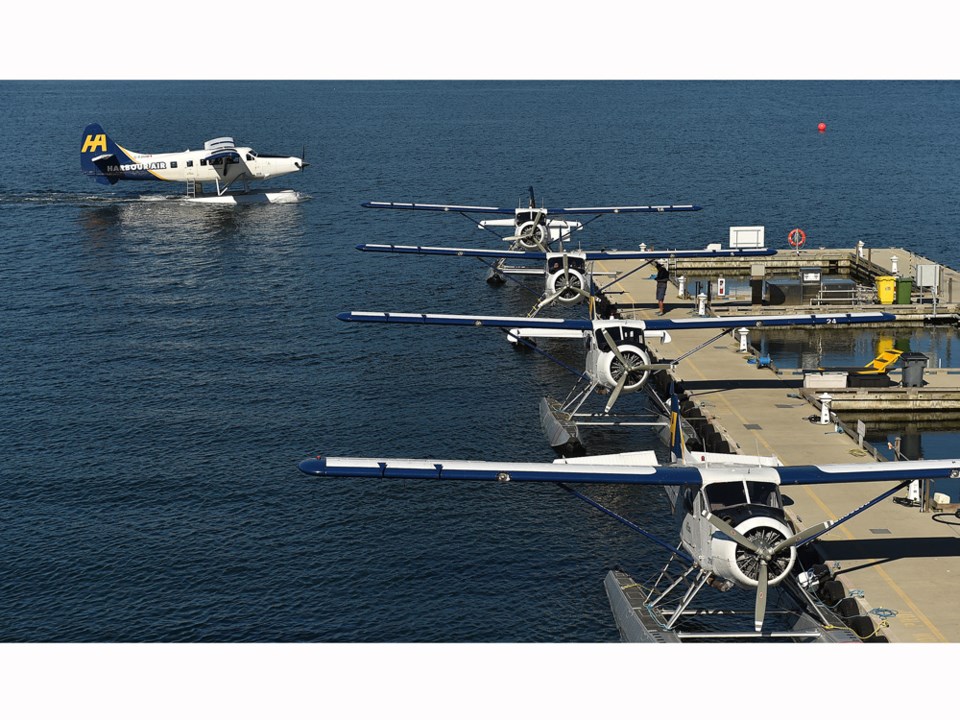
734, 533
532, 228
618, 357
221, 163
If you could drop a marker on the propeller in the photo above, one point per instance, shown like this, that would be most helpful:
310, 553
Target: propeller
628, 367
765, 555
303, 159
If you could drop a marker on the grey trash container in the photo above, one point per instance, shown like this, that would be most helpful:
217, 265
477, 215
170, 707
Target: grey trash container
913, 365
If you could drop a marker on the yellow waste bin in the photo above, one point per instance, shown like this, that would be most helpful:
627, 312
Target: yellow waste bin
886, 289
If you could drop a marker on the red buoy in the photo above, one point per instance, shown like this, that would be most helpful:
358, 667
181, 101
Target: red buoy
822, 127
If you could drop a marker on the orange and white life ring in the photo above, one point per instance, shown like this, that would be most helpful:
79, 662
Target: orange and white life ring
797, 237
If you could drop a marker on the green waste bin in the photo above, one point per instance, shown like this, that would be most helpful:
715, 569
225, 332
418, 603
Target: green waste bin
904, 288
886, 289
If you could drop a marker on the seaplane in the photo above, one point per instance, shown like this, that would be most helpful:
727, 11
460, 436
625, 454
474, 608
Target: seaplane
221, 163
567, 275
618, 359
734, 533
532, 227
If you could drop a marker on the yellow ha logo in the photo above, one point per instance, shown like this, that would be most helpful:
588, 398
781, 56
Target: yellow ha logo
94, 142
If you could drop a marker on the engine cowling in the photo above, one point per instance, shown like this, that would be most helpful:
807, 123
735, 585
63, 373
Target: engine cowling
607, 367
568, 284
532, 235
740, 565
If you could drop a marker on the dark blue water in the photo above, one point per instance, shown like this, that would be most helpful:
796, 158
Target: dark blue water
166, 365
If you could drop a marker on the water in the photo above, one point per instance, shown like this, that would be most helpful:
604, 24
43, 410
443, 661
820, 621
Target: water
166, 365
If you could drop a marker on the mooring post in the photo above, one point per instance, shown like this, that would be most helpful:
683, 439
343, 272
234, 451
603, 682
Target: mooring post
681, 286
744, 338
702, 304
825, 400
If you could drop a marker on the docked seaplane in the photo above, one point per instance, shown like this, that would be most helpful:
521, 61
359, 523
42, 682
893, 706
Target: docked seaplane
220, 162
568, 276
618, 356
734, 533
532, 227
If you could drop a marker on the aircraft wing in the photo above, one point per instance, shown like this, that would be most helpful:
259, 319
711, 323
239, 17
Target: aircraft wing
438, 208
613, 209
590, 255
869, 472
499, 471
578, 324
471, 320
761, 321
460, 252
582, 471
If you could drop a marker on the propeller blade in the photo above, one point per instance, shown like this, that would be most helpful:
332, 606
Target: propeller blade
616, 392
546, 301
761, 607
616, 351
801, 536
727, 529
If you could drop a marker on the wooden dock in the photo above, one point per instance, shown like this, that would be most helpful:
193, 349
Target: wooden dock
902, 565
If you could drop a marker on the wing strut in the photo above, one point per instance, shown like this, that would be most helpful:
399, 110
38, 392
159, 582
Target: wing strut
854, 513
630, 524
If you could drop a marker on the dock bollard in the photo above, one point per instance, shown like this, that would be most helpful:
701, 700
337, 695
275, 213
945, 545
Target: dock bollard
894, 265
702, 304
681, 286
825, 408
744, 338
860, 248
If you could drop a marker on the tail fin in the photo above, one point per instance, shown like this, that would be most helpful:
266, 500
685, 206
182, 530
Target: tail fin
98, 154
677, 446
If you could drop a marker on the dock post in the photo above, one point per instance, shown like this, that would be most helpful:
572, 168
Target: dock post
744, 339
860, 248
825, 408
702, 304
894, 265
681, 286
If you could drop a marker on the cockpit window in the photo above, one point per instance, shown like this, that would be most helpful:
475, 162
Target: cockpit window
730, 494
251, 155
724, 495
762, 493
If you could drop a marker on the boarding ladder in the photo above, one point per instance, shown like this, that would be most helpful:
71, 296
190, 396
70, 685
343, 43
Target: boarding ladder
191, 188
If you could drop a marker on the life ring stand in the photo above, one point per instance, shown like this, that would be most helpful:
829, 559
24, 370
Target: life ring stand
797, 238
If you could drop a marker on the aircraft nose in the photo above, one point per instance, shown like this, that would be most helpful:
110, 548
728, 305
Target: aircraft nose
301, 164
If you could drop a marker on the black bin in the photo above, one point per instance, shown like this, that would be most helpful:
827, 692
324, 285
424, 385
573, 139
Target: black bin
913, 365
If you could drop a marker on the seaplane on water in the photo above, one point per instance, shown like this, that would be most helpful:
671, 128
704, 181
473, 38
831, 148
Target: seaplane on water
568, 278
618, 357
220, 162
531, 227
734, 533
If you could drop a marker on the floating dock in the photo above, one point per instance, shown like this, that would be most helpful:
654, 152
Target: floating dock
901, 564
